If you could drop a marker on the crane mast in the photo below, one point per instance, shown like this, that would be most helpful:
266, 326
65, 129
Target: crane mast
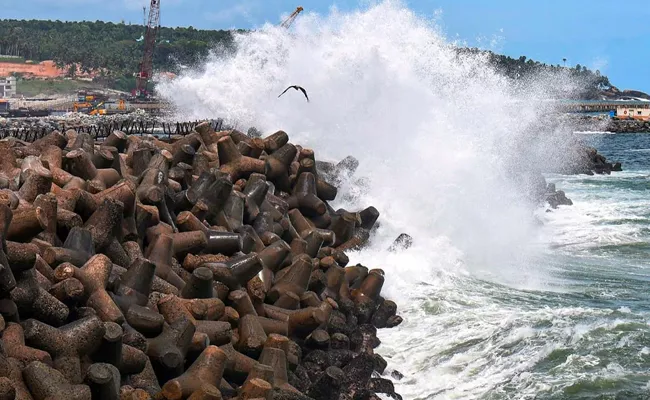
287, 22
146, 67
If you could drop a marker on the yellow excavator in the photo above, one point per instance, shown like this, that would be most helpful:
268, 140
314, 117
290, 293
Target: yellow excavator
88, 108
99, 109
82, 106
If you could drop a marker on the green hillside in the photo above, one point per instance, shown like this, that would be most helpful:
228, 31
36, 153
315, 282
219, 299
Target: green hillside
115, 47
118, 49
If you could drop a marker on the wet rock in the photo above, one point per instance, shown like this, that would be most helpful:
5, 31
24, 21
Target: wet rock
205, 266
403, 242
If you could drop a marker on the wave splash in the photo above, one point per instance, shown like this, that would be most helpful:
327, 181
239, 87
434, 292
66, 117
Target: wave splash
438, 133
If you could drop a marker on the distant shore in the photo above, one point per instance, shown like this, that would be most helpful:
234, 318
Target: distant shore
628, 126
613, 125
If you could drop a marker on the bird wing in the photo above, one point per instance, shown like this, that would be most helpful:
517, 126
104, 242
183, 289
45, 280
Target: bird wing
285, 90
304, 92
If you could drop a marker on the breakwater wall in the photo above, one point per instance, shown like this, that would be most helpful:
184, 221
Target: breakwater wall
607, 124
628, 126
208, 267
100, 130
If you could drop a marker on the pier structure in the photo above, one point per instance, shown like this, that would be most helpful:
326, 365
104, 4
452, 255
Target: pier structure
617, 108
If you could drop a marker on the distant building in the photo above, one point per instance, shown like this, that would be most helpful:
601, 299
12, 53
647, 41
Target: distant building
7, 87
634, 110
43, 70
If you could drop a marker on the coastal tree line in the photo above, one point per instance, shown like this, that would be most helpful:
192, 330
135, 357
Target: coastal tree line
116, 49
592, 83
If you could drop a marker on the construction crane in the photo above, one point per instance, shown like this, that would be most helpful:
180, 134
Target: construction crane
146, 67
287, 22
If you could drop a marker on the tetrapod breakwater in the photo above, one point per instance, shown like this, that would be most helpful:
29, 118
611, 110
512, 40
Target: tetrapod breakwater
34, 129
210, 266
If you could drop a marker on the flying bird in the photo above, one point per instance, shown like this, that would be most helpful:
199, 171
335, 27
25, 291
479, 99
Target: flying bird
297, 88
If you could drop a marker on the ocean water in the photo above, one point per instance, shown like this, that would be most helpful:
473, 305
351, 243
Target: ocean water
500, 299
581, 331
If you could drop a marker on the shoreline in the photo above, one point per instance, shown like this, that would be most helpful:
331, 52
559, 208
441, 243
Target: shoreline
628, 126
236, 224
589, 124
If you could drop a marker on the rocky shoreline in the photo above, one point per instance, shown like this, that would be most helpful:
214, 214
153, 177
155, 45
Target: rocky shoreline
210, 266
585, 161
606, 124
575, 159
628, 126
206, 268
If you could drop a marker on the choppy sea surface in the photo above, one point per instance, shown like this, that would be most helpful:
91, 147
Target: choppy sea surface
576, 326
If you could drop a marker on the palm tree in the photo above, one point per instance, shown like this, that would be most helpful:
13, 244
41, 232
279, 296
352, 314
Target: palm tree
564, 59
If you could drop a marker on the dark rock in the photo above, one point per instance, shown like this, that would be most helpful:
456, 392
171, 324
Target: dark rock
359, 370
403, 242
327, 386
397, 375
312, 370
394, 321
340, 358
558, 198
381, 385
338, 323
386, 310
281, 394
339, 341
380, 364
300, 378
319, 358
249, 257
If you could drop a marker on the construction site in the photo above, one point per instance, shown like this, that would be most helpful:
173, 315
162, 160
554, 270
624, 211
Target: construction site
87, 101
90, 100
92, 110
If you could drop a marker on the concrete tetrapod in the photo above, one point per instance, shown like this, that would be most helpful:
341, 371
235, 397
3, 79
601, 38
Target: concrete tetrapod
209, 266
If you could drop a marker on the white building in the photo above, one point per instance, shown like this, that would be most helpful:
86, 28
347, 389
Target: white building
7, 87
634, 110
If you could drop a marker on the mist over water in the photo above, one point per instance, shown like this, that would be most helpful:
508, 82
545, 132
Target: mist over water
439, 136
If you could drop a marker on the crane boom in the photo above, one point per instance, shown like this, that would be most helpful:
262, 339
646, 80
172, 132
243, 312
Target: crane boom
287, 22
146, 67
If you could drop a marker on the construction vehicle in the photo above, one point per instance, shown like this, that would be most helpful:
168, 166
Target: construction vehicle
90, 97
98, 110
82, 106
112, 107
146, 66
101, 108
287, 22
